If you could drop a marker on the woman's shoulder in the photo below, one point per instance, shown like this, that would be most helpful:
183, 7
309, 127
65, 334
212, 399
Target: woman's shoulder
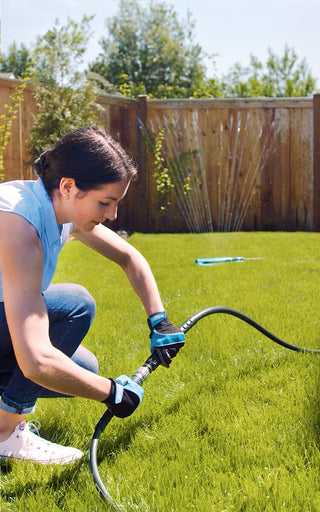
12, 193
19, 197
16, 227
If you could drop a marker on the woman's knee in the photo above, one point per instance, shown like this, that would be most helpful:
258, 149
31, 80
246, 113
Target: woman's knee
69, 300
86, 301
82, 310
86, 359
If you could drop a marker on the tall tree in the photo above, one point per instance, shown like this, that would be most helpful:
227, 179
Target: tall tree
59, 53
148, 49
65, 97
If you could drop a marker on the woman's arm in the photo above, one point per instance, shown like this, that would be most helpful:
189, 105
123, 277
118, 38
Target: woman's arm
113, 247
21, 259
165, 337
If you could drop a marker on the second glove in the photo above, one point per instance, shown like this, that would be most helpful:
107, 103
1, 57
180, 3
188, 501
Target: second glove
166, 339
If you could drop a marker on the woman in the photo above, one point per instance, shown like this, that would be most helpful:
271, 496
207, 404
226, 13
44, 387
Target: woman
80, 183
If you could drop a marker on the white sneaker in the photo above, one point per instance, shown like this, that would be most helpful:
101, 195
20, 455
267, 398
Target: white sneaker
23, 444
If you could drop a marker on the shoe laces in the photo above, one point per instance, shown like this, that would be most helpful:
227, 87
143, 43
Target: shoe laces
34, 426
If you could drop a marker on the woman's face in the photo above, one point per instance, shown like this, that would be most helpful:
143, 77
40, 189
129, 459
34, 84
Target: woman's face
88, 209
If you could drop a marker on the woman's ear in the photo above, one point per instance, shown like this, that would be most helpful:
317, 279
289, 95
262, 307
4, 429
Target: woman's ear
67, 186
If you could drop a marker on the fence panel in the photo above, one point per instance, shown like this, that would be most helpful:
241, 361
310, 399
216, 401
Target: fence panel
118, 116
254, 163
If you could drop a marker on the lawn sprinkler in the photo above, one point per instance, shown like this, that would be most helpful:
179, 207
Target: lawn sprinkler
206, 262
150, 365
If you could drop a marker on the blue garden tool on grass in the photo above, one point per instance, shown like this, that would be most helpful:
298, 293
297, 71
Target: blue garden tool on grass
224, 259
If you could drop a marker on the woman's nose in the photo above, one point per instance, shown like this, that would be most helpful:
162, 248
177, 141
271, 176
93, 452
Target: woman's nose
111, 212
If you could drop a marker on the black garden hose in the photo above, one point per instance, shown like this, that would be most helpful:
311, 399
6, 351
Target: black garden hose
151, 364
222, 309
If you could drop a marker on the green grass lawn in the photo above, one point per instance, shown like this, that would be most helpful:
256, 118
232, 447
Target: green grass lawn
233, 425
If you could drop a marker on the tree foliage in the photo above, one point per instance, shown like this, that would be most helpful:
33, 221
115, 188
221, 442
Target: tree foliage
58, 54
65, 97
149, 50
17, 61
284, 76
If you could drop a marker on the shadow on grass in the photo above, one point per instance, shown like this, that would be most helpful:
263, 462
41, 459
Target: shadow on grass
5, 466
59, 479
110, 447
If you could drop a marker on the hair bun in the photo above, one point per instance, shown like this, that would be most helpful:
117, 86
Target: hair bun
40, 165
37, 167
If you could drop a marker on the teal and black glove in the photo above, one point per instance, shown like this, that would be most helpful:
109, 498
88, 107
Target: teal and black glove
166, 339
125, 396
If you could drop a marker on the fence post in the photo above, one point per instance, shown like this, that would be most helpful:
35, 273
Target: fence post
316, 162
142, 115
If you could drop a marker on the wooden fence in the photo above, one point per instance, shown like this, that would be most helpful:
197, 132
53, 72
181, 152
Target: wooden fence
16, 156
229, 164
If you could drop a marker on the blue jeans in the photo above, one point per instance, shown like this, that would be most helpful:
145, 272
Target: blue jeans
71, 310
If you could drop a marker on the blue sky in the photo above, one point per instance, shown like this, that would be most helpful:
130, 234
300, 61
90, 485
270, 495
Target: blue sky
233, 29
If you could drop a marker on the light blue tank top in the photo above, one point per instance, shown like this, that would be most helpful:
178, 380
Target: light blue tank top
30, 200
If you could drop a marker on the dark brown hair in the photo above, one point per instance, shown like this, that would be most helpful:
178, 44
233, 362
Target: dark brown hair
89, 155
